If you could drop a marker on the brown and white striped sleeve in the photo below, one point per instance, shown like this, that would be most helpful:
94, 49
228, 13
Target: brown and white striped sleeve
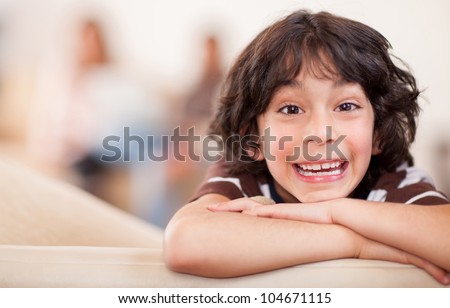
409, 185
219, 181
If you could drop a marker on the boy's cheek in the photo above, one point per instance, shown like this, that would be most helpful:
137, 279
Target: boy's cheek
281, 150
279, 143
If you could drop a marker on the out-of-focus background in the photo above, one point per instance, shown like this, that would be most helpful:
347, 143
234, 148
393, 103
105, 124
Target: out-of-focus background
73, 72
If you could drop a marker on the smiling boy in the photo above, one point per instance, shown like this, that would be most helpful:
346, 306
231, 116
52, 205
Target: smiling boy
314, 82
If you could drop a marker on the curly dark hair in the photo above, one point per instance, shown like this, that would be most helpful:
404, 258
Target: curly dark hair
329, 46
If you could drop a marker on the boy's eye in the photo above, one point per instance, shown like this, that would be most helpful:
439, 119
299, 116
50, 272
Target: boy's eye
347, 107
291, 109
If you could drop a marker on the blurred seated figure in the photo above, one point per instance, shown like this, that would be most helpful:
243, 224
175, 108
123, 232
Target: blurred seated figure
99, 99
199, 103
198, 106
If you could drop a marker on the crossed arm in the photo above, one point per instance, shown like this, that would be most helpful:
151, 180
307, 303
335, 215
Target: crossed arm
216, 237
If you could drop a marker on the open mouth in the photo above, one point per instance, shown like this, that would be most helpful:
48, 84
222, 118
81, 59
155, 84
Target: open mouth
322, 169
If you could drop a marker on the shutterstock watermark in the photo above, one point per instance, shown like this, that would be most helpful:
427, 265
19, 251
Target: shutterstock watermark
189, 146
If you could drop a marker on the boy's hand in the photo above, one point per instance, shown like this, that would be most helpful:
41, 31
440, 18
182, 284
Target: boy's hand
320, 212
372, 250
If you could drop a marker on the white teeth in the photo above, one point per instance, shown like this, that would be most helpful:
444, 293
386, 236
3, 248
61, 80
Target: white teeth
323, 173
317, 167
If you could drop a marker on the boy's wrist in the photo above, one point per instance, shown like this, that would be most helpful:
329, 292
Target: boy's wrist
340, 210
350, 242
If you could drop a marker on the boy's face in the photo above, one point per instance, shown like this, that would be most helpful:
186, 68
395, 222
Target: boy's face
317, 138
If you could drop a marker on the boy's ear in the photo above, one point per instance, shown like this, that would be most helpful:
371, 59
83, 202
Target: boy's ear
255, 153
376, 145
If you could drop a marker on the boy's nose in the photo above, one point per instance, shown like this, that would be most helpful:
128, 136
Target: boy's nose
320, 130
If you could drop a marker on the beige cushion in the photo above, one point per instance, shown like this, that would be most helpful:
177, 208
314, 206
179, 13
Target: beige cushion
54, 235
40, 266
35, 210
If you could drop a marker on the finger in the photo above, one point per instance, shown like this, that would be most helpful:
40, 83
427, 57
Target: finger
280, 211
436, 272
268, 211
236, 205
292, 211
263, 200
376, 250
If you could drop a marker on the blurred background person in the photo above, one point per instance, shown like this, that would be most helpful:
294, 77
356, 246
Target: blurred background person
197, 107
199, 104
94, 97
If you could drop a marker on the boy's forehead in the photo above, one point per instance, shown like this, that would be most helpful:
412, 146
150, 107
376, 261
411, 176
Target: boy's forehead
299, 80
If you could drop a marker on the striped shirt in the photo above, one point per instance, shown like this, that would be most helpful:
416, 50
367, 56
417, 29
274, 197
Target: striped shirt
408, 185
